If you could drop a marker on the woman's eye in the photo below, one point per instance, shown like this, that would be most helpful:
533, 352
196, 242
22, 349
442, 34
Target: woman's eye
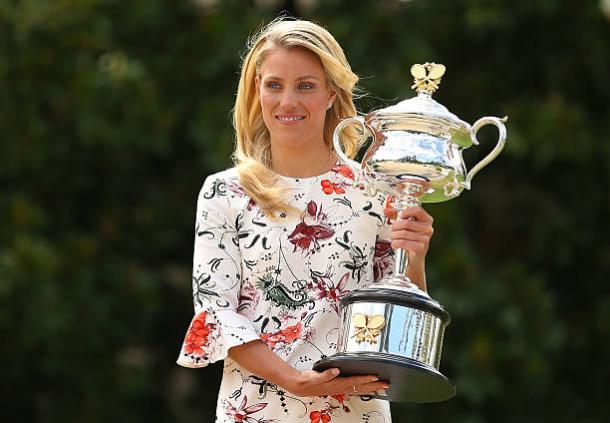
273, 85
306, 86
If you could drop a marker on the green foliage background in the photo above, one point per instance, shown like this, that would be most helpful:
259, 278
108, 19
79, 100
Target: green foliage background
113, 112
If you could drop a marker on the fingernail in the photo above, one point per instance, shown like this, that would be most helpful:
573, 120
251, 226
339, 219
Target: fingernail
334, 372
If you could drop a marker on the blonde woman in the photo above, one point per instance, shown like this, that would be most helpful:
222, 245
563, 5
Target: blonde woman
284, 235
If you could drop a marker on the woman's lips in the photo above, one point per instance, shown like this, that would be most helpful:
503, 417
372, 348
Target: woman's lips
289, 118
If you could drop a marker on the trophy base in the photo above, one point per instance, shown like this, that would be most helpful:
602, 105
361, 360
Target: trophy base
410, 380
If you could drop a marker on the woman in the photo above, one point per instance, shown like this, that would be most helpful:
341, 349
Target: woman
284, 235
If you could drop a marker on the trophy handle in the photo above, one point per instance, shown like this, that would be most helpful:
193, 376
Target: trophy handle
337, 141
499, 123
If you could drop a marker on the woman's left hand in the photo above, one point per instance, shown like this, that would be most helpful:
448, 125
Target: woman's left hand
412, 232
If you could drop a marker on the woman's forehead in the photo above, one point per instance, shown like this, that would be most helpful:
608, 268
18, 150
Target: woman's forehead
292, 63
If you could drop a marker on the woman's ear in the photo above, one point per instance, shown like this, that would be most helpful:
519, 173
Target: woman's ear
333, 96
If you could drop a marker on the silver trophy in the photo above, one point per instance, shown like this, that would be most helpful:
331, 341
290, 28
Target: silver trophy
392, 328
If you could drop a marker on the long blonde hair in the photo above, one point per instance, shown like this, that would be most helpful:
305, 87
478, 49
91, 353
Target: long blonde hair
252, 154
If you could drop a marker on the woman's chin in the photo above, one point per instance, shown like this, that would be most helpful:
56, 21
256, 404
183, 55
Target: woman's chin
294, 141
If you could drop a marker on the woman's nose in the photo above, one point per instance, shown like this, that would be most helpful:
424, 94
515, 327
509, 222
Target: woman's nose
288, 100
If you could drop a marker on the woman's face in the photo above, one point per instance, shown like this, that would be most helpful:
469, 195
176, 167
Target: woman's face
294, 97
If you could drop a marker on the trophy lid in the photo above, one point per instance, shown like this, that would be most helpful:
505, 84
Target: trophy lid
423, 107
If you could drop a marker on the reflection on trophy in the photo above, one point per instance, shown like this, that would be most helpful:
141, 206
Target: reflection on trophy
392, 328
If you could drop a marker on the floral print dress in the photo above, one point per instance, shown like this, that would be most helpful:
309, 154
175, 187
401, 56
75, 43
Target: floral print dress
282, 281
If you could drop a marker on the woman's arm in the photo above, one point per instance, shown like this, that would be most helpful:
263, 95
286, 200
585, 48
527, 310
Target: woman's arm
259, 359
417, 273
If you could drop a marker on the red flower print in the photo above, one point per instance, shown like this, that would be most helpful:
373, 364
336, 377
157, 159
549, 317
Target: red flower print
197, 335
292, 333
327, 289
287, 335
341, 399
388, 207
312, 208
248, 297
381, 258
242, 414
344, 170
328, 187
322, 416
237, 189
305, 234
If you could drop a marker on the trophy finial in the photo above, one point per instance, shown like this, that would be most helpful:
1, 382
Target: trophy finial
427, 77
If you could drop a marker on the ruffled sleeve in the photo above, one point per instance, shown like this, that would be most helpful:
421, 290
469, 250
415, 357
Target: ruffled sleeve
216, 325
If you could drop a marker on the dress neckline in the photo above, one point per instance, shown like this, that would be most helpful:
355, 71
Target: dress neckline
308, 178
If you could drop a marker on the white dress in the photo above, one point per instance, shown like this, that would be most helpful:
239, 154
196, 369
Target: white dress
282, 281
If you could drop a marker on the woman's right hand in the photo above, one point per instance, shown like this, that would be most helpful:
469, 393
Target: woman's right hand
310, 383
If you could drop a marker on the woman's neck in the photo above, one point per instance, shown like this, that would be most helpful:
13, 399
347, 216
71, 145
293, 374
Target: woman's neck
302, 162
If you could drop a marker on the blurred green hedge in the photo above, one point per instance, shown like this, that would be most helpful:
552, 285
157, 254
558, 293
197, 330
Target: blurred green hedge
112, 113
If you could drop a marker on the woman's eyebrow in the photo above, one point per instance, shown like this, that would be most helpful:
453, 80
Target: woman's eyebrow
300, 78
307, 77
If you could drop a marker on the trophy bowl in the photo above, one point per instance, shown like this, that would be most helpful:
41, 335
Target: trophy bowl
392, 328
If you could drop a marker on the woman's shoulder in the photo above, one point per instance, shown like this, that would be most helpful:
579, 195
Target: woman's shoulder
221, 180
223, 186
